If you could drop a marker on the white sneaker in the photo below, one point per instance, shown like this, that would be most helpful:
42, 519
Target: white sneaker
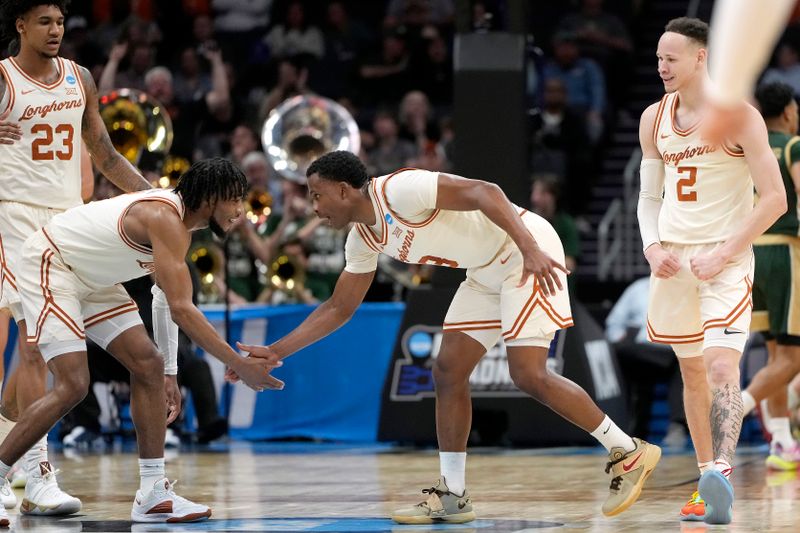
171, 439
162, 505
44, 497
7, 496
18, 477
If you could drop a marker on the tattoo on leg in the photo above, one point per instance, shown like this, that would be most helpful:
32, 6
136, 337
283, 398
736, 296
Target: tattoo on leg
726, 420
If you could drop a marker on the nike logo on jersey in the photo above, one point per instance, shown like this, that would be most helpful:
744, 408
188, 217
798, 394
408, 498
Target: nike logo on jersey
664, 136
727, 331
504, 261
628, 466
28, 91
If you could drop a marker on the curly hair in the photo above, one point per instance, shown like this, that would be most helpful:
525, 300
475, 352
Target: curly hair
340, 166
211, 180
773, 98
11, 10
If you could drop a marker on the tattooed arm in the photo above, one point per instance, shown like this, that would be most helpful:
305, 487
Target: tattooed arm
110, 162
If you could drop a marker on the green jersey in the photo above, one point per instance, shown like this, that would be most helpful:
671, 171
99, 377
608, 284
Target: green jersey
787, 149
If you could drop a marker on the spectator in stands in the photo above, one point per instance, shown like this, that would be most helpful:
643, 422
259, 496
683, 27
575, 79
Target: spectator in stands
188, 117
295, 36
140, 61
561, 145
389, 152
434, 71
417, 123
243, 140
346, 40
603, 36
545, 194
292, 81
385, 77
584, 80
190, 81
645, 363
87, 53
786, 69
239, 25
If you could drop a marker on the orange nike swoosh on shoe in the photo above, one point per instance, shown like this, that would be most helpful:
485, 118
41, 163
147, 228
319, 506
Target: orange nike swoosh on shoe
504, 261
628, 466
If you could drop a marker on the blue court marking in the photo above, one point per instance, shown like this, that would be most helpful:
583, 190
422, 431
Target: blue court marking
305, 524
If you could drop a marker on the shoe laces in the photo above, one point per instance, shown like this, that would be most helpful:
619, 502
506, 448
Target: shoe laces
171, 492
695, 499
616, 481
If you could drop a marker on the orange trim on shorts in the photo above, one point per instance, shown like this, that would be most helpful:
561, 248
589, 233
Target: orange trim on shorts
11, 93
395, 215
5, 272
522, 213
737, 311
472, 325
111, 313
476, 328
50, 306
675, 128
537, 299
50, 240
672, 339
25, 75
659, 114
471, 322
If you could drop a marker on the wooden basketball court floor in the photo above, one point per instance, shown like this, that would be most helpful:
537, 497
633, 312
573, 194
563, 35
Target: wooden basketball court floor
318, 487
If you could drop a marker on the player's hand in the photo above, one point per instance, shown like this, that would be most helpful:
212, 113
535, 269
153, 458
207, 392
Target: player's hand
544, 268
173, 393
10, 132
118, 51
663, 264
263, 352
254, 372
706, 266
721, 123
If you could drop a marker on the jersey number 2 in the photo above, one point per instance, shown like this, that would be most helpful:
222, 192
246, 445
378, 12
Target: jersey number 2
685, 183
41, 149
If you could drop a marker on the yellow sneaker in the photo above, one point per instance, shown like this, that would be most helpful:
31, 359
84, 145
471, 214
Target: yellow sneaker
442, 506
630, 471
695, 509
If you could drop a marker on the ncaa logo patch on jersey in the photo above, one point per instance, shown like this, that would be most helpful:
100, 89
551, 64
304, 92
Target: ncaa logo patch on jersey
70, 79
389, 219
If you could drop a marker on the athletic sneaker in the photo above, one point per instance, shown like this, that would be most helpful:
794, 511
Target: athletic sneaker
441, 506
7, 496
162, 505
783, 459
695, 509
18, 477
717, 492
44, 497
630, 471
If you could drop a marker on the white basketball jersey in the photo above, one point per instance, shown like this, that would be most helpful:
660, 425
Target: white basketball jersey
462, 239
708, 190
92, 241
43, 168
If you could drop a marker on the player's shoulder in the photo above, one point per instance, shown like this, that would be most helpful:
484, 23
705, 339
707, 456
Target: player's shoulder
651, 112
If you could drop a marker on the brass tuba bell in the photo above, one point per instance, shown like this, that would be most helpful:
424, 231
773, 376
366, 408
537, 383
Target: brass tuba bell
303, 128
139, 127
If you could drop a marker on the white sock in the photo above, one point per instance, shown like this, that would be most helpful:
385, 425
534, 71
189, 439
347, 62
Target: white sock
4, 469
452, 466
723, 467
748, 402
705, 467
150, 471
6, 426
610, 436
37, 454
781, 432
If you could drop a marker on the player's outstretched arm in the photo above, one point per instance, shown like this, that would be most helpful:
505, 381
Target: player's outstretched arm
324, 320
663, 264
455, 193
170, 242
110, 162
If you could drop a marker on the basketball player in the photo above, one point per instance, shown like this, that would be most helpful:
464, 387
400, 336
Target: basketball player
743, 35
515, 288
776, 285
698, 223
69, 278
